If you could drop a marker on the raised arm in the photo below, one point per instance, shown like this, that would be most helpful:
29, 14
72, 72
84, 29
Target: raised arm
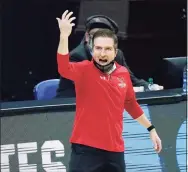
67, 69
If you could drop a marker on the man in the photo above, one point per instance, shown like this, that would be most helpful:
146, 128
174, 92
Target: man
84, 52
103, 91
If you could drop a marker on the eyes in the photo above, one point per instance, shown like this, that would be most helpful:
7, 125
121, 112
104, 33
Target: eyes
105, 49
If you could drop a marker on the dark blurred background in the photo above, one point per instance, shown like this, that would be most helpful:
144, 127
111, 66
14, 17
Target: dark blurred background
155, 29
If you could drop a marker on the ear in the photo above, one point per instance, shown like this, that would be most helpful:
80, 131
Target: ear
116, 51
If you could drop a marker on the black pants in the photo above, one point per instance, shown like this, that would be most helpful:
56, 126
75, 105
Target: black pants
88, 159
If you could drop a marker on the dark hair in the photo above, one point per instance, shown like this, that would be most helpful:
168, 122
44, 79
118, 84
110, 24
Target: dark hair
106, 33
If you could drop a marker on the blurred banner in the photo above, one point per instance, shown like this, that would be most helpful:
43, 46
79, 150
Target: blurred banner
39, 142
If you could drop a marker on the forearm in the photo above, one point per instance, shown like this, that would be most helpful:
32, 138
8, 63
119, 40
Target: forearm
63, 57
63, 46
143, 120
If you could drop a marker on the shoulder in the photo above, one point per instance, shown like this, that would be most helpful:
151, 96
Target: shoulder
84, 63
122, 69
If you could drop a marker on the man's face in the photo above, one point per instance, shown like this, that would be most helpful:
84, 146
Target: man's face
103, 50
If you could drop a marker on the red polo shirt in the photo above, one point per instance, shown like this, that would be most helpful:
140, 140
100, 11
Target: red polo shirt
100, 102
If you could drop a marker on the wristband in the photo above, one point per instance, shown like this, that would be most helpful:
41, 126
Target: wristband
150, 128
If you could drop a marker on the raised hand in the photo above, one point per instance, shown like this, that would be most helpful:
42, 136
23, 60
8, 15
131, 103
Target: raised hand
65, 23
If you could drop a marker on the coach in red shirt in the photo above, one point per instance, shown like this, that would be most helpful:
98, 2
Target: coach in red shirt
103, 91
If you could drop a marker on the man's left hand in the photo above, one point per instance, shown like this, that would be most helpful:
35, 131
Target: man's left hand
156, 141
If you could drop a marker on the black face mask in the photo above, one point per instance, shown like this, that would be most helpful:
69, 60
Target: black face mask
105, 68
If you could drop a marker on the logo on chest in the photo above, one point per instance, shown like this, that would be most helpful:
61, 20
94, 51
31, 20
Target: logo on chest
121, 83
103, 77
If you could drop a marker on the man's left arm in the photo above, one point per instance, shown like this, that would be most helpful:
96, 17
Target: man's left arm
133, 108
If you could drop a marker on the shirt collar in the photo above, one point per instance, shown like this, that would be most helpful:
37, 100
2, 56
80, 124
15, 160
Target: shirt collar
113, 68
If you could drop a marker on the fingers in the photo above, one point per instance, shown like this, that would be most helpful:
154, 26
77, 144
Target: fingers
158, 146
58, 19
72, 24
155, 145
64, 14
71, 19
68, 15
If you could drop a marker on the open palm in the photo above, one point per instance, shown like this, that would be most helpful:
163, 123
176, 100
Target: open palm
65, 23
